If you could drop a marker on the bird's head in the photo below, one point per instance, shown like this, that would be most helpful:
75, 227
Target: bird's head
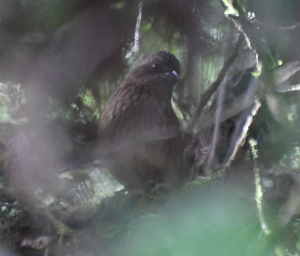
160, 71
159, 65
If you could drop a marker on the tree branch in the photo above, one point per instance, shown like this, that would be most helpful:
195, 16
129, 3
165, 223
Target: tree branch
204, 98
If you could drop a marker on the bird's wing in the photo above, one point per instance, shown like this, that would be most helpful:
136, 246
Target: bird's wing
132, 115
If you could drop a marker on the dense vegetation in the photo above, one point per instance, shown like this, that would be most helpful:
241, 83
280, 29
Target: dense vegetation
237, 100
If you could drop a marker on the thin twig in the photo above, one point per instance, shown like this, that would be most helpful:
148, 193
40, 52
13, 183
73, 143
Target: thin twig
204, 98
215, 138
266, 26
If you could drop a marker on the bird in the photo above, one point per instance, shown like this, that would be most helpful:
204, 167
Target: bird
139, 130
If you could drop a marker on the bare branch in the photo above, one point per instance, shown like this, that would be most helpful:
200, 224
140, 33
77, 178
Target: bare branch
215, 85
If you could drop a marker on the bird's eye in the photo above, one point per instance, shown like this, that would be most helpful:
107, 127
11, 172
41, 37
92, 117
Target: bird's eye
156, 67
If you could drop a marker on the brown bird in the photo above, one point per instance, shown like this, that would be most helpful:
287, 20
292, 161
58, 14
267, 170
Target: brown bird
140, 129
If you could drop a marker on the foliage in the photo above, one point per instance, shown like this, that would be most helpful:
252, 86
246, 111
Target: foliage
237, 100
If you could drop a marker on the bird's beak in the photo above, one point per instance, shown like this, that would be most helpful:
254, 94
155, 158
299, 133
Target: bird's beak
175, 73
172, 75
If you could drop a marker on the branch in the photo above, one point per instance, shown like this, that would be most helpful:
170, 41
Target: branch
204, 98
